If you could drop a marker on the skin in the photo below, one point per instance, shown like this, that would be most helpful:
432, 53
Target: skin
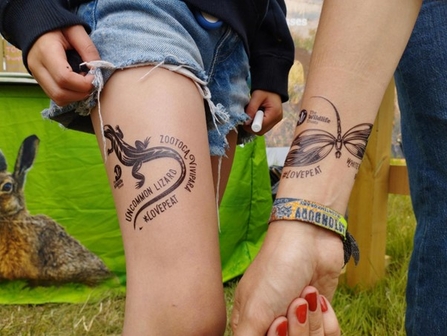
309, 314
54, 74
177, 252
172, 261
351, 66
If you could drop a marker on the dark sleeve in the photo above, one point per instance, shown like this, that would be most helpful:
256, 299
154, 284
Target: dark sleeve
22, 22
272, 52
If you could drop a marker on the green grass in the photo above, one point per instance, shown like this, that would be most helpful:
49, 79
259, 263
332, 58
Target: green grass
381, 310
92, 318
378, 311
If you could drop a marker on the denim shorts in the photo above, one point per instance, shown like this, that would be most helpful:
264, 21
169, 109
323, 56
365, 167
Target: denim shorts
165, 33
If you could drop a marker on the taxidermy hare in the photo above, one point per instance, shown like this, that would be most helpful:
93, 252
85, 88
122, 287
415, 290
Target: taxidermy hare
36, 248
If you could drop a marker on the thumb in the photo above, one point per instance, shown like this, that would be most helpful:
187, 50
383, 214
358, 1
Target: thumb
255, 104
80, 41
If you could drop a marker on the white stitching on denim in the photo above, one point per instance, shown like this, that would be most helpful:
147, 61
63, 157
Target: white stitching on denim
98, 82
219, 169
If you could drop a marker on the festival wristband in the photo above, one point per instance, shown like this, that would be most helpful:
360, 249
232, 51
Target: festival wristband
295, 209
309, 212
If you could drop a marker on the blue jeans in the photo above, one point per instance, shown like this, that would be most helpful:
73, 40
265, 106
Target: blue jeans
165, 33
421, 80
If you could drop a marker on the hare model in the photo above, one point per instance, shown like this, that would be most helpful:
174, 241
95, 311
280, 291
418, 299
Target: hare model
36, 248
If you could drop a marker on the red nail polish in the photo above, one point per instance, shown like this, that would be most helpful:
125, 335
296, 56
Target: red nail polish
323, 304
301, 313
311, 299
281, 330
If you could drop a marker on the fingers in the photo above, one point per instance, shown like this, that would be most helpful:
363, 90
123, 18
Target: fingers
47, 61
315, 314
279, 327
79, 40
292, 257
321, 318
330, 322
271, 104
63, 85
309, 315
298, 316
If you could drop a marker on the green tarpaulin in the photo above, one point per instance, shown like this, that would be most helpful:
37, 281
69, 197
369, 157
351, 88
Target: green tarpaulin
68, 183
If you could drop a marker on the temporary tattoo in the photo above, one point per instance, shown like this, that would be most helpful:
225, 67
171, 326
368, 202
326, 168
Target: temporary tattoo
302, 117
315, 118
300, 174
187, 155
313, 145
159, 194
353, 164
118, 183
159, 208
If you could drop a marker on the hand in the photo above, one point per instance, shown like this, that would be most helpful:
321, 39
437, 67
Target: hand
272, 104
48, 64
293, 256
309, 315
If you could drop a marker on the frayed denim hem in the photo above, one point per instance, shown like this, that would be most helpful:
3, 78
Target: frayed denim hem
220, 122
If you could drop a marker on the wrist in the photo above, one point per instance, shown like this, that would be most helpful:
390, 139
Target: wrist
296, 209
299, 210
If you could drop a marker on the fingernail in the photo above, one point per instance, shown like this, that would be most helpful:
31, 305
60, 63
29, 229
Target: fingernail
311, 299
281, 330
301, 313
323, 304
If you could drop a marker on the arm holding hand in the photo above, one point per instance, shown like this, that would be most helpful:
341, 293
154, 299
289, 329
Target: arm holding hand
357, 48
271, 57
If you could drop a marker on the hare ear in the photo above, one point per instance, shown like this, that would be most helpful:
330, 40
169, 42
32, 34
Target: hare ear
25, 158
3, 165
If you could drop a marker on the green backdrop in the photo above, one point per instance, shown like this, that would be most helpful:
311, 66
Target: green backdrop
68, 183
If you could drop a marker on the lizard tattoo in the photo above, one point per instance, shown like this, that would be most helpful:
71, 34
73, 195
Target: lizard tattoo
135, 157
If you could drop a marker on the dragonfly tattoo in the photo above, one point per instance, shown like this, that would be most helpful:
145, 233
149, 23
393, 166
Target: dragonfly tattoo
313, 145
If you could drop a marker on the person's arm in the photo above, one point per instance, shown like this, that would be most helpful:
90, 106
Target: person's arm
271, 57
45, 30
272, 52
357, 48
356, 51
22, 22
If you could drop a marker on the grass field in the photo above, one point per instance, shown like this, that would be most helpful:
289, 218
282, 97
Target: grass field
379, 311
